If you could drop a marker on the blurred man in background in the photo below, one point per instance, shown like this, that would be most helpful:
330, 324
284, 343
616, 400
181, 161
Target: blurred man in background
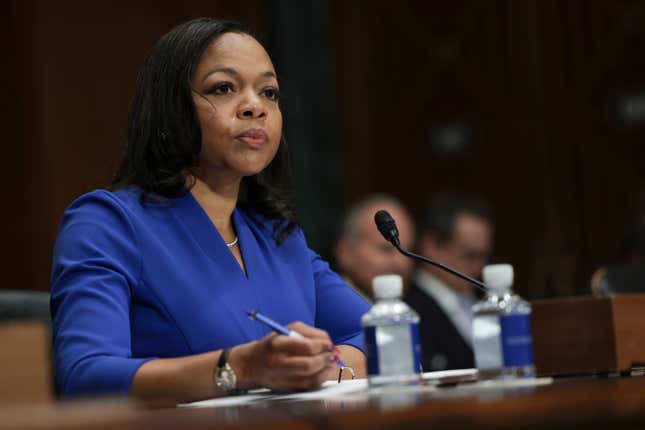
361, 253
457, 231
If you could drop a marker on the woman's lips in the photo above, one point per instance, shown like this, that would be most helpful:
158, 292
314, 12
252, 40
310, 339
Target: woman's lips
254, 137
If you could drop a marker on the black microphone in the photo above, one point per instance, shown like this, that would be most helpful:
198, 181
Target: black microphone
387, 226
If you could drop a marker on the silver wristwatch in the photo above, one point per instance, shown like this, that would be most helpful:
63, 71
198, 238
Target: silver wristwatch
224, 377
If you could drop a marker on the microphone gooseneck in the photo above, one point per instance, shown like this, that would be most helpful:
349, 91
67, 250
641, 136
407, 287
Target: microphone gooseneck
387, 226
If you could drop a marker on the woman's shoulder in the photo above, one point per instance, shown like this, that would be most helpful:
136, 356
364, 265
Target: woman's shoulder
98, 205
122, 198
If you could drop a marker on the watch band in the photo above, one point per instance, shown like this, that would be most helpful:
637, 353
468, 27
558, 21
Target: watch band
224, 376
223, 357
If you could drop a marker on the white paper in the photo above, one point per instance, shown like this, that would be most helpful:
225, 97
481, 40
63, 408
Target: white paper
329, 389
444, 374
243, 399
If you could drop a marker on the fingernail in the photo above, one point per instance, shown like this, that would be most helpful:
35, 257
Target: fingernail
336, 350
332, 359
330, 347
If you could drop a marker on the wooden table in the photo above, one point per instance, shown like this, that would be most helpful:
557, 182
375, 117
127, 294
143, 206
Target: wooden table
572, 403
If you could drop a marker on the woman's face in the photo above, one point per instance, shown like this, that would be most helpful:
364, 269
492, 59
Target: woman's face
235, 90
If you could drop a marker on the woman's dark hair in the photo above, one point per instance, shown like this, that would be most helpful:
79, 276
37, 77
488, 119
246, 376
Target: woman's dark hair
164, 135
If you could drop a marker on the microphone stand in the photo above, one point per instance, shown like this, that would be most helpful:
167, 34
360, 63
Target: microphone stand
467, 278
387, 227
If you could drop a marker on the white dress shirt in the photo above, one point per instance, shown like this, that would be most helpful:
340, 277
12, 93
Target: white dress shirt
455, 305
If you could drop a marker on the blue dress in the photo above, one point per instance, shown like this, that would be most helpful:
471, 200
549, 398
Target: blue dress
133, 282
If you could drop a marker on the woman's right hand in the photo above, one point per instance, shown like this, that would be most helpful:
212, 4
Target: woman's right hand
281, 362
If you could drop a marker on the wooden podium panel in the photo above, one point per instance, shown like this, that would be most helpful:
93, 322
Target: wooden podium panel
25, 369
588, 334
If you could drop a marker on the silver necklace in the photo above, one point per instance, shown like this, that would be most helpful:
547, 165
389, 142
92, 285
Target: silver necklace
232, 244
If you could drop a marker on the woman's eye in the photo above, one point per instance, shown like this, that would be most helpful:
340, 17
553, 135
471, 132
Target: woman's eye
221, 89
272, 94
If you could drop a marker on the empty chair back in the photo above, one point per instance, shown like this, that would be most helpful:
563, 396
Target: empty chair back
24, 305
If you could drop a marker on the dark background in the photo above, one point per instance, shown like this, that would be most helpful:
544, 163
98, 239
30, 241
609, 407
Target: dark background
539, 105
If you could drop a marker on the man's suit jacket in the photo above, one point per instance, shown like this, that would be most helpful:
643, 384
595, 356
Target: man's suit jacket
442, 345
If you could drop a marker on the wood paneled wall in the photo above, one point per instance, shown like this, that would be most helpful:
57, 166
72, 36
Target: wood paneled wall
71, 81
529, 81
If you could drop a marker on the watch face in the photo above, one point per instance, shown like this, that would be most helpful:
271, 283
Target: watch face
225, 378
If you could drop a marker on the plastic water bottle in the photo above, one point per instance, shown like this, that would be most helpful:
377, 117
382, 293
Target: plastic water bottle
502, 339
487, 339
517, 341
391, 336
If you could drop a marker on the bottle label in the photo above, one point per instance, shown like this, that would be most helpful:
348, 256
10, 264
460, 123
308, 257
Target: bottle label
487, 342
416, 348
517, 344
393, 350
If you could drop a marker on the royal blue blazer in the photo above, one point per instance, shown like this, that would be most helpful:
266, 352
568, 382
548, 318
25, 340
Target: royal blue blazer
135, 281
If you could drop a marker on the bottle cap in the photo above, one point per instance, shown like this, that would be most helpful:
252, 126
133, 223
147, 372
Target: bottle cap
387, 286
498, 277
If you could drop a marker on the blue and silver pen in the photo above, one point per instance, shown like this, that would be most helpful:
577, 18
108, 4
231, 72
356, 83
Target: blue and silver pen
276, 327
279, 328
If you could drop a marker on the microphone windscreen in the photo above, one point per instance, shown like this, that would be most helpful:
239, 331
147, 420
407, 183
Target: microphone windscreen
386, 225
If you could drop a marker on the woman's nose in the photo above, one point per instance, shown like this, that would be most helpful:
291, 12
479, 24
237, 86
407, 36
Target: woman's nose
251, 107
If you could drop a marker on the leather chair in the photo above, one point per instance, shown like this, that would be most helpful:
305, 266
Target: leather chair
24, 305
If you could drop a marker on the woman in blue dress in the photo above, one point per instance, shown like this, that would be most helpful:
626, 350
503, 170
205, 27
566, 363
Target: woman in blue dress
152, 280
